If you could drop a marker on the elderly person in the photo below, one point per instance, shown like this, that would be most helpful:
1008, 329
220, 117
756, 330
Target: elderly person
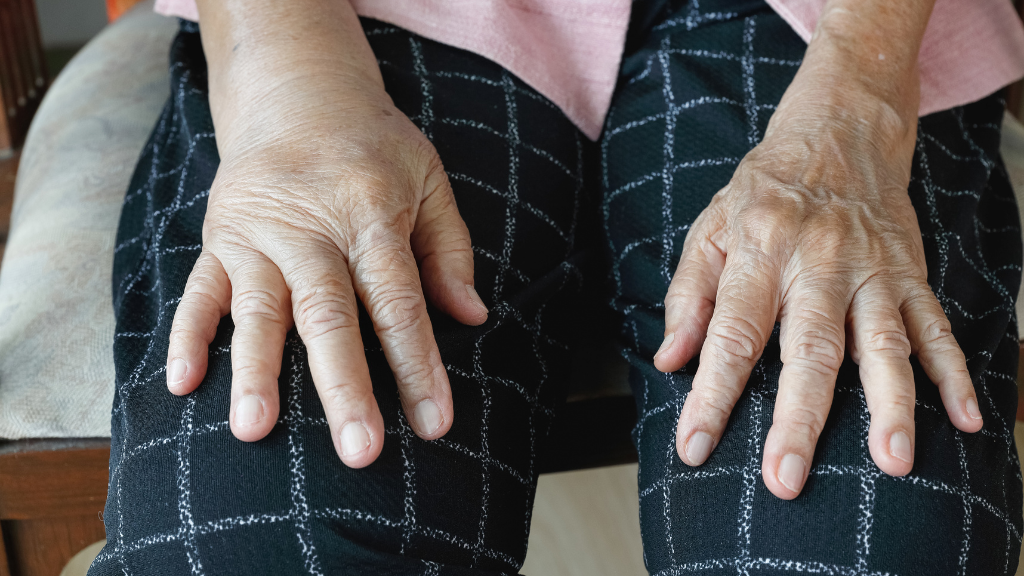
815, 289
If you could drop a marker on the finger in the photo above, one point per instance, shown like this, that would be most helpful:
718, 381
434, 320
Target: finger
881, 348
745, 312
262, 316
207, 298
931, 338
327, 319
812, 345
440, 241
387, 281
690, 302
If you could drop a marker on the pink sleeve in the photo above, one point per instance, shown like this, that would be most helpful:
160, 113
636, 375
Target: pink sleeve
569, 50
971, 48
180, 8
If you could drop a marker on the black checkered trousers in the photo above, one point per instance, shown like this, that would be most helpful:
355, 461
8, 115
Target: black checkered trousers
554, 217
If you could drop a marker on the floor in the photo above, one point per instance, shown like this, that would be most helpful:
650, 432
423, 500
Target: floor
586, 523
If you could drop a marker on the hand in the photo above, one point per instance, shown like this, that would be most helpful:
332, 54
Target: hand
816, 231
326, 195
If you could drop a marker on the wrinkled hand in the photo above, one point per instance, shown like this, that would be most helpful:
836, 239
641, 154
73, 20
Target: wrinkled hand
815, 231
323, 203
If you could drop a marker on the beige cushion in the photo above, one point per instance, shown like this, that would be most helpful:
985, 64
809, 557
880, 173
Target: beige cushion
56, 318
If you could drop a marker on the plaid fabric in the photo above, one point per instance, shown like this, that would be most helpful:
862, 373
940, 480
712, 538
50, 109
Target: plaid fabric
698, 85
186, 497
699, 82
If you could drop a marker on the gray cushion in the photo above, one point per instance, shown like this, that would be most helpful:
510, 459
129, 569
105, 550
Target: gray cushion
56, 322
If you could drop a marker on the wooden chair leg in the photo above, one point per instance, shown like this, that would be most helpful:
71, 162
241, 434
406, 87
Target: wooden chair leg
51, 495
5, 569
23, 77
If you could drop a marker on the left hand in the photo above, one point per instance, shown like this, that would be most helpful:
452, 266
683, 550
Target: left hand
816, 231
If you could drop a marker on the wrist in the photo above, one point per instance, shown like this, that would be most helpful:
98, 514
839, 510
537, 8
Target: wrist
837, 121
864, 55
830, 98
278, 79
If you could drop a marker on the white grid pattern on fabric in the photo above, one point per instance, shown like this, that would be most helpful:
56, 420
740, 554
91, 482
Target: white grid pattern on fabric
867, 473
301, 513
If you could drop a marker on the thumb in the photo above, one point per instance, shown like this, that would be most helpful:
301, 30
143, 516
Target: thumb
440, 241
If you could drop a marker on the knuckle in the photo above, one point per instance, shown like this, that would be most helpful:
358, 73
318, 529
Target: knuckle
891, 342
318, 317
766, 225
937, 330
188, 333
202, 279
396, 309
199, 301
247, 369
257, 304
438, 187
900, 401
959, 377
450, 241
379, 217
802, 423
702, 243
822, 355
379, 249
323, 308
715, 400
373, 176
735, 339
340, 398
416, 370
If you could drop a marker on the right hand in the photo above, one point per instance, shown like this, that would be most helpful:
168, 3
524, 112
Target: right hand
321, 200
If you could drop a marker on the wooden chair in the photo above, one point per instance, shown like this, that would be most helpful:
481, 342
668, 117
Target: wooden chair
52, 491
23, 77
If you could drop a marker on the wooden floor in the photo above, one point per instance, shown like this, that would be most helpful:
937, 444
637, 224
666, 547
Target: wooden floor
586, 523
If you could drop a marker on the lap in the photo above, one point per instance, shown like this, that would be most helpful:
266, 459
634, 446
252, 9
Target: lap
187, 496
695, 95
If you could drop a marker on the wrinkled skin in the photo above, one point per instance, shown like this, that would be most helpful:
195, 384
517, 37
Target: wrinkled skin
327, 195
313, 213
815, 231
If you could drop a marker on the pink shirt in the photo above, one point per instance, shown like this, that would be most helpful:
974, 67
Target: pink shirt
569, 50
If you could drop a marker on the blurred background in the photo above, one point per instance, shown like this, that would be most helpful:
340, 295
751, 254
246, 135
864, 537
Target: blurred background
66, 25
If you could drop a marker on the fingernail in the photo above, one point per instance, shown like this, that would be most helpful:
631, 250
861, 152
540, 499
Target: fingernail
176, 372
476, 298
791, 472
354, 439
666, 343
249, 410
972, 409
428, 417
698, 448
899, 447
